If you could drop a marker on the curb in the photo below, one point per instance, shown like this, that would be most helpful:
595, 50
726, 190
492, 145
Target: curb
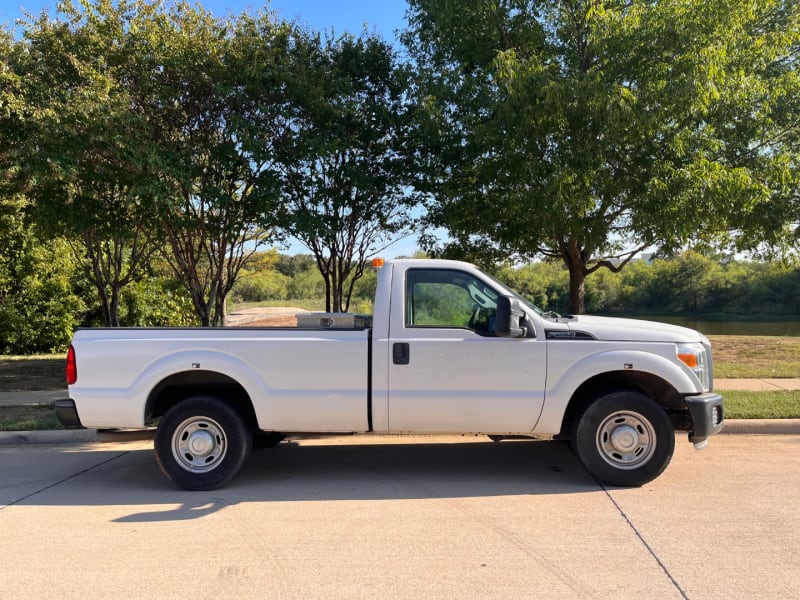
74, 436
89, 436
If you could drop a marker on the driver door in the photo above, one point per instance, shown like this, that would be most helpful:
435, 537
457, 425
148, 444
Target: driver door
448, 372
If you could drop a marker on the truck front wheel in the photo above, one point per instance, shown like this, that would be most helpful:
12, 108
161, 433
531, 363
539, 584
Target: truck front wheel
624, 438
201, 443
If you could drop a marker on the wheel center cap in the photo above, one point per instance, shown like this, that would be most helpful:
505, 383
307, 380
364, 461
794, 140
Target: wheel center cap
201, 443
625, 438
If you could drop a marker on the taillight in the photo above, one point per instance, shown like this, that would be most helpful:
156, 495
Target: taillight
72, 368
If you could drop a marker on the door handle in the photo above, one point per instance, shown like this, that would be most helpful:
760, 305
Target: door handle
401, 353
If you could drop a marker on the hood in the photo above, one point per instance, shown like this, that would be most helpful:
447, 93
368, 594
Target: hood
630, 330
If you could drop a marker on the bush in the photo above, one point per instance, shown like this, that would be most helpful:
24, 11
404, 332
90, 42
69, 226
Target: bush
39, 312
261, 287
156, 302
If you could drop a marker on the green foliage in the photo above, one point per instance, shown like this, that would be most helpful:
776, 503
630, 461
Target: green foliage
588, 131
40, 310
296, 280
261, 287
689, 284
344, 172
546, 284
82, 158
292, 265
156, 302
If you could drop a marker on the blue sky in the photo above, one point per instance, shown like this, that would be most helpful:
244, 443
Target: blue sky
384, 17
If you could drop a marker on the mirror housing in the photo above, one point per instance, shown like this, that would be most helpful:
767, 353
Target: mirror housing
509, 313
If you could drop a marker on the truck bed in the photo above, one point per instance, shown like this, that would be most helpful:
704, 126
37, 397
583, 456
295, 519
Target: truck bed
298, 379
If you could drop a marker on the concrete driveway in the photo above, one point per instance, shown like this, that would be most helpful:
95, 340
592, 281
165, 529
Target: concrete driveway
382, 517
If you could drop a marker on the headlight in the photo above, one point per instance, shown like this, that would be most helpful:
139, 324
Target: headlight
695, 357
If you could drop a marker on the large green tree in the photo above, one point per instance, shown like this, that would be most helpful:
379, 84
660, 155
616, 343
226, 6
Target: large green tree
82, 157
343, 161
143, 127
212, 99
590, 130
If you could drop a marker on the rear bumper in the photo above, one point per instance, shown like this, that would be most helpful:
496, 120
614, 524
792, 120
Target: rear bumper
708, 416
67, 413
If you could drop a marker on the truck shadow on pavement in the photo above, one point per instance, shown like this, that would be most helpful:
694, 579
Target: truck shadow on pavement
414, 470
363, 472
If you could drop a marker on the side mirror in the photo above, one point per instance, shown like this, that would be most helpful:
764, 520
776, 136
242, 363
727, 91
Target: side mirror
507, 319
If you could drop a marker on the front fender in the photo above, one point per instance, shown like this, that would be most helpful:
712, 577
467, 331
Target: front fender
564, 380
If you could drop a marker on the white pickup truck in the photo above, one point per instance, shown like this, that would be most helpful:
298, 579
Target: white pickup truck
449, 349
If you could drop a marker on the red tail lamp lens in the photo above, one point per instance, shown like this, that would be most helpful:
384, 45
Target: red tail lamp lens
72, 367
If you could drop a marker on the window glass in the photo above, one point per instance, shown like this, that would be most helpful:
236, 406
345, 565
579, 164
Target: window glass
444, 298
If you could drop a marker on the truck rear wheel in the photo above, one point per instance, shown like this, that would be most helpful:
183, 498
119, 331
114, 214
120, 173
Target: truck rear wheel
624, 438
201, 443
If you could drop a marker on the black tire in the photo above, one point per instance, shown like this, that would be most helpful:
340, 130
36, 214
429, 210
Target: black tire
201, 443
624, 439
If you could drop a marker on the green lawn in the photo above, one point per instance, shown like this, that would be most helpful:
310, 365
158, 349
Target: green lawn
28, 418
762, 405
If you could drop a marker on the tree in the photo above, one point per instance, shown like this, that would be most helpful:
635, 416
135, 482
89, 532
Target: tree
588, 131
212, 115
82, 159
343, 165
146, 123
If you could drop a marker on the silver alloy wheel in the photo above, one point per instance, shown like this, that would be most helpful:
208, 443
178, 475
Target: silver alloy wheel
199, 444
626, 440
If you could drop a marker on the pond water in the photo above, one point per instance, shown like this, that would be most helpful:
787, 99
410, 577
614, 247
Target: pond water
790, 328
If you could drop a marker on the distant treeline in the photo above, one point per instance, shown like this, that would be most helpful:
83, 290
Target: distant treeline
687, 284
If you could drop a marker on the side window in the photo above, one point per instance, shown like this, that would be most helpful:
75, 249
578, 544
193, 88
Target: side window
452, 299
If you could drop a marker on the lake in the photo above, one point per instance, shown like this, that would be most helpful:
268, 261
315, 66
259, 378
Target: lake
790, 328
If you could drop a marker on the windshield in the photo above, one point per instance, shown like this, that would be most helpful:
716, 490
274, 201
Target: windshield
513, 292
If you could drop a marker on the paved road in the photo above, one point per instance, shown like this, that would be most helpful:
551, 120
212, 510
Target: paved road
450, 517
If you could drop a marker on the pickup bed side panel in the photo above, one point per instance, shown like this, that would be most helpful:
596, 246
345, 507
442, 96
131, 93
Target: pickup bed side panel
298, 380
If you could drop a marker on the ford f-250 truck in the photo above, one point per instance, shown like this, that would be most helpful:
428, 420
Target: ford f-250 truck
449, 349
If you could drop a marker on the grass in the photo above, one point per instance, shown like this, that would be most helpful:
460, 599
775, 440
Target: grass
762, 405
734, 357
32, 373
29, 418
755, 356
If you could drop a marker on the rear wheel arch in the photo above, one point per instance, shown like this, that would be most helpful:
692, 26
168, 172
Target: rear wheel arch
187, 384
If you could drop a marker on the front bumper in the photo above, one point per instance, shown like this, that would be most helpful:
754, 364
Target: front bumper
708, 416
67, 413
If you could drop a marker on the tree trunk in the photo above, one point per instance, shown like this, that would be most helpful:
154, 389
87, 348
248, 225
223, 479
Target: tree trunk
577, 289
574, 259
